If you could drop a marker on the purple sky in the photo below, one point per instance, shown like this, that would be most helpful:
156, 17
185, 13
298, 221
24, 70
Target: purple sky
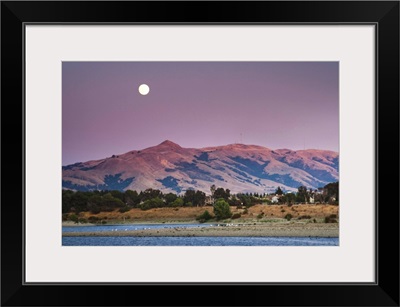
291, 105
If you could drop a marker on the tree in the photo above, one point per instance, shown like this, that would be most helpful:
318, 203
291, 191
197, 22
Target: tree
245, 199
302, 194
278, 191
212, 189
150, 194
189, 197
290, 198
67, 201
131, 198
117, 194
79, 201
177, 202
152, 203
195, 198
234, 201
331, 190
94, 204
199, 198
222, 209
221, 193
109, 203
170, 198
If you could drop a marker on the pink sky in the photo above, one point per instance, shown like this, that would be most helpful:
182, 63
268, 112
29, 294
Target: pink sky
197, 104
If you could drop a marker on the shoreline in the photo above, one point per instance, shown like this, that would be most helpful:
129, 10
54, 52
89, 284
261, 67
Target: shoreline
328, 230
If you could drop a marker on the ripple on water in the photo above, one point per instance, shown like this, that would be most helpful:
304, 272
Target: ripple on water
199, 241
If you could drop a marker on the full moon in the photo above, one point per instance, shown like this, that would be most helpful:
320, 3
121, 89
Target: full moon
144, 89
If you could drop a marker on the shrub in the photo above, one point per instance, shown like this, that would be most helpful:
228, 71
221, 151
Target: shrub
205, 216
288, 216
328, 219
304, 217
144, 206
152, 203
124, 209
245, 211
283, 210
74, 218
236, 216
260, 215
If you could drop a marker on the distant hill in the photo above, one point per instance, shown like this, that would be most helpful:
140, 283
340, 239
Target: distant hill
238, 167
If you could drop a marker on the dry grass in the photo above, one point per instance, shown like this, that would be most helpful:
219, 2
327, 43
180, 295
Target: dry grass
189, 214
279, 211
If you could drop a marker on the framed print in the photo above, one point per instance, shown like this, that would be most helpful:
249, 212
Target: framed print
247, 146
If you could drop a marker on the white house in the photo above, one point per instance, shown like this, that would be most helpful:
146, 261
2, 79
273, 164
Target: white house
274, 199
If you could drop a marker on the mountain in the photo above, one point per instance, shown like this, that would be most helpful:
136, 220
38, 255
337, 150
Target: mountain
238, 167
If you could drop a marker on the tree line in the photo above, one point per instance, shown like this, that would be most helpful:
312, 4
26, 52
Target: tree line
100, 201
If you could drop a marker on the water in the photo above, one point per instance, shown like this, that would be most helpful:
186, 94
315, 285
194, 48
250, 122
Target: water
198, 241
128, 227
183, 241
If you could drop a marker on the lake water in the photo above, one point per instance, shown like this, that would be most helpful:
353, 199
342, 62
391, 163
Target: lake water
183, 241
198, 241
129, 227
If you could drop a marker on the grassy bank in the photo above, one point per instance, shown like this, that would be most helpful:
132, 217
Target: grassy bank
257, 213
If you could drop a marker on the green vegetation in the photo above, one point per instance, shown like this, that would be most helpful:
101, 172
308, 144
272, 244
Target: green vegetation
177, 202
222, 209
194, 198
279, 191
74, 218
156, 202
331, 193
106, 201
124, 209
204, 217
288, 216
221, 193
99, 201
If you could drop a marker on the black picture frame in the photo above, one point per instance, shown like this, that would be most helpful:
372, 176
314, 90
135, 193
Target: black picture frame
383, 14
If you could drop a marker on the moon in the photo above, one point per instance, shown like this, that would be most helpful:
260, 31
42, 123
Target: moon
144, 89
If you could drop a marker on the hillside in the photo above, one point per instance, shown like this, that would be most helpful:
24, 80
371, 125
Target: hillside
238, 167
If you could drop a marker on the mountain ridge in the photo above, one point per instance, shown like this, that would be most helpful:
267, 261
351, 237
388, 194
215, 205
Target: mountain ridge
239, 167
